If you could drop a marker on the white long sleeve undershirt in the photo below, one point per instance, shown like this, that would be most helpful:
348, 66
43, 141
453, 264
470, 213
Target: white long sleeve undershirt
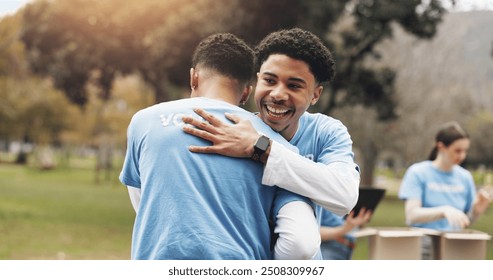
333, 186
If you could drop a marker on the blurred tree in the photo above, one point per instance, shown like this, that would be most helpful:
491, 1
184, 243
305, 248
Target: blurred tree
75, 41
82, 41
26, 111
28, 115
480, 128
87, 41
352, 29
72, 41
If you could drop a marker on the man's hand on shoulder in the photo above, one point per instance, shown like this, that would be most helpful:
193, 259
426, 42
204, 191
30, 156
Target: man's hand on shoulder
234, 140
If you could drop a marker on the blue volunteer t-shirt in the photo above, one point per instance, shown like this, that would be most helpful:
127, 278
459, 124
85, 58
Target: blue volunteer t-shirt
196, 206
323, 139
435, 187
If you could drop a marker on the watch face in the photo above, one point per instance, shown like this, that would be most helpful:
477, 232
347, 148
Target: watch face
263, 143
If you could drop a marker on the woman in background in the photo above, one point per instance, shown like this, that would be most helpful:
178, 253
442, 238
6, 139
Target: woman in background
439, 193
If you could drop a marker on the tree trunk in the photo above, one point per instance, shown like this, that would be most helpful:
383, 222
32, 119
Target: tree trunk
369, 156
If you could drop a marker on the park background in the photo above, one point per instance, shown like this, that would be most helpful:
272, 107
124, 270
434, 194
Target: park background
72, 73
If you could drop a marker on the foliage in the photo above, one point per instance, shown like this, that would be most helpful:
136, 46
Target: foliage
28, 111
84, 45
12, 60
76, 41
480, 129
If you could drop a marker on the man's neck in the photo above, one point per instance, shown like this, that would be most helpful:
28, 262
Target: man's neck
220, 88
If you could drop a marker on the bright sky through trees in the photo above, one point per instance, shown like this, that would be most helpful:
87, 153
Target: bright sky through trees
11, 6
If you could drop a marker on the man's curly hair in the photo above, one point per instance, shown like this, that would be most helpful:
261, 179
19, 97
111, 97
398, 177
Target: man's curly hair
301, 45
226, 54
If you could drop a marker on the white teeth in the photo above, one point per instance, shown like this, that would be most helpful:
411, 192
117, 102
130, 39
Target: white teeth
277, 110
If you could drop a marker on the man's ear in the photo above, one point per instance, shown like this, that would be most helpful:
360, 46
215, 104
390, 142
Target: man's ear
317, 94
194, 79
246, 94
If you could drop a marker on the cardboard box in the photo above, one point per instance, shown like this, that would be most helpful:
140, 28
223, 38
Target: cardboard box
391, 243
466, 244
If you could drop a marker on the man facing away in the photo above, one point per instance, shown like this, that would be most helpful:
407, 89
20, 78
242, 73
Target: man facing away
195, 206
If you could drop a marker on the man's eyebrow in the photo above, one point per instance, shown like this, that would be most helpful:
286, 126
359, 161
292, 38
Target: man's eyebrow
299, 80
292, 79
269, 74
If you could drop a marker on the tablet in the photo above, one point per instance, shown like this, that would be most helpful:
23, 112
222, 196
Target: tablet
369, 199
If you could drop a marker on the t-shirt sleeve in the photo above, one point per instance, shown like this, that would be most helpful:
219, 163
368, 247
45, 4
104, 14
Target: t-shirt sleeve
130, 175
411, 185
337, 144
330, 219
282, 197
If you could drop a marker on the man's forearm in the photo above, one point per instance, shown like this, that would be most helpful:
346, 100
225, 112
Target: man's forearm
299, 236
334, 186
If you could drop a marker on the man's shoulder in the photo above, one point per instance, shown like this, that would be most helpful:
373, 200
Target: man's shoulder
322, 126
320, 120
186, 105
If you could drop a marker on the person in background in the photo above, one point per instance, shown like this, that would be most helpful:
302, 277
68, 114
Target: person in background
194, 206
336, 233
439, 194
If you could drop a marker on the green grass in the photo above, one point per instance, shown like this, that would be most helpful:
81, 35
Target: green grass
62, 214
390, 213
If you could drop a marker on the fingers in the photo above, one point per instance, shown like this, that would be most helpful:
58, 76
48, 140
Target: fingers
201, 133
460, 222
367, 216
208, 117
456, 218
201, 149
234, 118
202, 125
484, 195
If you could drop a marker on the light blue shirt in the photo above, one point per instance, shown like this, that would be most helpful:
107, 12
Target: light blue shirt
326, 140
434, 187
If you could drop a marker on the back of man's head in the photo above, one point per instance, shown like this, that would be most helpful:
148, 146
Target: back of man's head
226, 54
301, 45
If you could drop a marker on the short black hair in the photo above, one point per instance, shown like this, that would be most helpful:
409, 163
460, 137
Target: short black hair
226, 54
301, 45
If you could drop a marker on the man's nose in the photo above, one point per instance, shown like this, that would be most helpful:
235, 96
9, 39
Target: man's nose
279, 93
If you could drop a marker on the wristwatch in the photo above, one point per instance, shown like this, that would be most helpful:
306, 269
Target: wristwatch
260, 147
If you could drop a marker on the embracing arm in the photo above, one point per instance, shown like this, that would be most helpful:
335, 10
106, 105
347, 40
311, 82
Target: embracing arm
299, 237
334, 186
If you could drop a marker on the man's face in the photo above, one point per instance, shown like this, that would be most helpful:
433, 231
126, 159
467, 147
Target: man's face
285, 89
